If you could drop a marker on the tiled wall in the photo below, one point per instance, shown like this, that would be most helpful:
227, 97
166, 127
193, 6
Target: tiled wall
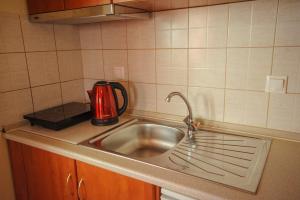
40, 66
218, 56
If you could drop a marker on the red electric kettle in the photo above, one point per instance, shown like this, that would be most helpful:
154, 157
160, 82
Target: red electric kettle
104, 102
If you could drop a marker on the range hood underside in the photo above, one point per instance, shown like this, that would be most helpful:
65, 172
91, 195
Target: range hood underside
108, 12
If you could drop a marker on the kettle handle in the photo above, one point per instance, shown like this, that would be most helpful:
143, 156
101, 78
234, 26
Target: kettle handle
116, 85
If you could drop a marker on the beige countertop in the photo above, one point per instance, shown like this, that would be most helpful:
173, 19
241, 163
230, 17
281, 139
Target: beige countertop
74, 134
280, 180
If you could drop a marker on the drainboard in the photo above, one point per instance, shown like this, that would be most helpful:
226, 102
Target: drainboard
232, 160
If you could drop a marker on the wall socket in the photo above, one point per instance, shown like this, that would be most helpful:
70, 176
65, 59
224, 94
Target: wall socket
276, 84
119, 73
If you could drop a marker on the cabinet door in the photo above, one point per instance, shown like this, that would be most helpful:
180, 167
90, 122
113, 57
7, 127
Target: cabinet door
18, 170
70, 4
41, 6
49, 176
96, 183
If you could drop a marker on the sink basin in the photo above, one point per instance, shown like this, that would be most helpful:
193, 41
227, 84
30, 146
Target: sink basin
141, 140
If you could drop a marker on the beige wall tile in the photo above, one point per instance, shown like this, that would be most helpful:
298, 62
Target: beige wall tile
171, 66
141, 34
207, 103
67, 37
115, 65
288, 23
173, 19
11, 34
37, 37
286, 62
179, 19
284, 112
141, 65
239, 25
263, 23
163, 39
114, 35
208, 26
73, 91
43, 68
176, 106
13, 105
46, 96
13, 72
252, 23
198, 37
92, 61
142, 96
245, 107
172, 29
247, 68
90, 36
207, 67
217, 23
70, 65
163, 20
198, 17
179, 38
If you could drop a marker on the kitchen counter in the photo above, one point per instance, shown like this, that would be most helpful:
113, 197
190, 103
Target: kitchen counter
280, 180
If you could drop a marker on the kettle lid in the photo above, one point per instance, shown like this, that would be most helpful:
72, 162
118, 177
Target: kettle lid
101, 83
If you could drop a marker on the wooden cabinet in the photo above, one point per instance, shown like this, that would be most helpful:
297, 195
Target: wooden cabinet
18, 170
70, 4
46, 175
49, 176
40, 6
39, 174
96, 182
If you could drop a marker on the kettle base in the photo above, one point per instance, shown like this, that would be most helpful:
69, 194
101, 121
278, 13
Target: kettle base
104, 122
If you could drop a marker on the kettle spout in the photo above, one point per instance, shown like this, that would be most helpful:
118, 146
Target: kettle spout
90, 93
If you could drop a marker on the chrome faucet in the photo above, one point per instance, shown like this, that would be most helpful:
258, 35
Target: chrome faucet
188, 119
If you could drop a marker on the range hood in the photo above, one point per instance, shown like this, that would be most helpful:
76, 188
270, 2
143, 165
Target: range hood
108, 12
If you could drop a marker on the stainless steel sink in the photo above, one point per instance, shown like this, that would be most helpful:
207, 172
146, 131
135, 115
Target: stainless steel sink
233, 160
141, 140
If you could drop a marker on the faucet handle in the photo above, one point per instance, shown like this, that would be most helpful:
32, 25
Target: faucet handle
189, 122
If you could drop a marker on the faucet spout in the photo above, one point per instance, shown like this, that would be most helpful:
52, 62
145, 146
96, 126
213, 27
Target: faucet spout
189, 119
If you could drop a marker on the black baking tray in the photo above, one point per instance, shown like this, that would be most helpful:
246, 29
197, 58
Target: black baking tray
60, 117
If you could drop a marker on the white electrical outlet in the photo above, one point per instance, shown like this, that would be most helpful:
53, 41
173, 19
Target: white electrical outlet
119, 73
276, 84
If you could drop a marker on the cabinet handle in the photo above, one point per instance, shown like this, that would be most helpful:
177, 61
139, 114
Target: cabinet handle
68, 178
79, 189
69, 191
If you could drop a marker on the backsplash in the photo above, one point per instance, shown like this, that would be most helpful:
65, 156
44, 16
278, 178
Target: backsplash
40, 67
217, 56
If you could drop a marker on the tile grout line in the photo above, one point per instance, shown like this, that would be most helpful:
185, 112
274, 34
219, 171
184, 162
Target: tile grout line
57, 61
127, 63
226, 62
224, 47
272, 62
188, 60
249, 49
27, 66
102, 52
155, 66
